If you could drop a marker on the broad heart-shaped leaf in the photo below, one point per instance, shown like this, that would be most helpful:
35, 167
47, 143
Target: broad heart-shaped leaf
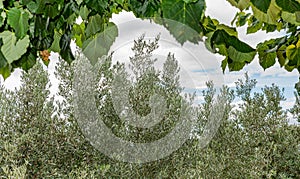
266, 60
79, 34
222, 37
266, 11
18, 20
237, 52
255, 26
181, 32
51, 10
143, 9
94, 25
67, 55
189, 14
240, 19
229, 30
238, 56
5, 71
97, 5
3, 61
27, 61
79, 1
262, 5
84, 12
280, 56
65, 50
291, 17
55, 47
95, 47
11, 49
293, 55
232, 66
290, 11
267, 53
291, 6
241, 4
2, 18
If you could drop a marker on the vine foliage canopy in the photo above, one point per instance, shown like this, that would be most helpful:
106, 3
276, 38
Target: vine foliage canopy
33, 28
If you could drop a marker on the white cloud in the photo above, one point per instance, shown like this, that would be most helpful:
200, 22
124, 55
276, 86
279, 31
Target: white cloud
13, 81
221, 10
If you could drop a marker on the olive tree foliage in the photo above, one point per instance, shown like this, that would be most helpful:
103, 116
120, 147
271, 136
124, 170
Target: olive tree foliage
25, 116
296, 108
255, 140
40, 137
29, 29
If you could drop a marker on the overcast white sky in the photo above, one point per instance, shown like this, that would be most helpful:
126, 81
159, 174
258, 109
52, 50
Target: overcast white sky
193, 70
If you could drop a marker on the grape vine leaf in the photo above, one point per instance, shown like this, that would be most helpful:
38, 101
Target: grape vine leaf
55, 44
269, 50
99, 45
266, 60
189, 14
290, 11
237, 52
2, 18
27, 61
11, 48
266, 11
144, 8
79, 34
241, 4
18, 20
94, 25
65, 50
5, 71
291, 6
84, 12
293, 54
3, 61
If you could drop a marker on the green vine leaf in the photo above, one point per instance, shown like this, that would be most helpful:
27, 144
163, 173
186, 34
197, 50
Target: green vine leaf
55, 47
293, 54
241, 4
262, 5
12, 49
84, 12
266, 11
290, 11
2, 18
254, 25
65, 50
27, 61
293, 18
97, 5
291, 6
95, 47
3, 61
5, 71
142, 9
79, 34
266, 60
94, 25
237, 52
18, 20
79, 1
189, 14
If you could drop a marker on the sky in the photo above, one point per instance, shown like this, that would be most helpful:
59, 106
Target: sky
198, 65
